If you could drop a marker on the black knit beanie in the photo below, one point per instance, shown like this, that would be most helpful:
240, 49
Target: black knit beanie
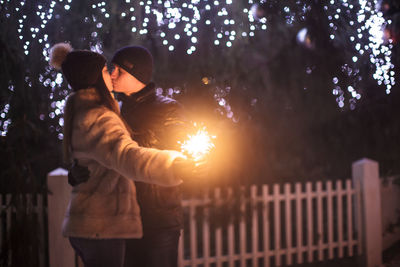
83, 68
137, 61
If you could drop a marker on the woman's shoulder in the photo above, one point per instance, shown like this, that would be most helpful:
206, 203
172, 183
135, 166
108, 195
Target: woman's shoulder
84, 99
86, 106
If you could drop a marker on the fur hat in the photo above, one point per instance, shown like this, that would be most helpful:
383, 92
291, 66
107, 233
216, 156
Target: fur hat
136, 60
81, 68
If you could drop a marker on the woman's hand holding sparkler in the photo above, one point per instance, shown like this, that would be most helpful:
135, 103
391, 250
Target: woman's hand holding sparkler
189, 168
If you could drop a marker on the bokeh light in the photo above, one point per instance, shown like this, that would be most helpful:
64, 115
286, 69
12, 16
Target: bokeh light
183, 22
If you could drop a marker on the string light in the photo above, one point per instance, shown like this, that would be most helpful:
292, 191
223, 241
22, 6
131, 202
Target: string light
183, 22
369, 40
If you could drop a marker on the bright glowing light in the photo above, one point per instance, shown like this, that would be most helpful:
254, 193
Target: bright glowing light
198, 145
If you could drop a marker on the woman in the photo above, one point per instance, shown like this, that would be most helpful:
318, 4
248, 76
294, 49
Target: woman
103, 212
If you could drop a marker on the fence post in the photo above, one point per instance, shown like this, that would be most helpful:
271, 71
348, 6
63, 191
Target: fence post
61, 253
365, 172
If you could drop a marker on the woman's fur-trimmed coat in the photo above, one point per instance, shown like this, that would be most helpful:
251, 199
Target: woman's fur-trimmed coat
105, 206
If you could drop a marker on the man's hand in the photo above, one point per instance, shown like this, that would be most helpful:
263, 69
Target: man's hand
78, 174
189, 169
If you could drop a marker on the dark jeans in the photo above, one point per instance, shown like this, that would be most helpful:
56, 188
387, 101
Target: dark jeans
153, 250
100, 252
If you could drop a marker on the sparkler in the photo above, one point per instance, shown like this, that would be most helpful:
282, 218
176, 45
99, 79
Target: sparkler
198, 145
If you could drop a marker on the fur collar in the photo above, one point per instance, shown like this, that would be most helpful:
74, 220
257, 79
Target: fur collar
84, 99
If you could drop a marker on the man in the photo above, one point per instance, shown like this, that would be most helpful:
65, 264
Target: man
156, 121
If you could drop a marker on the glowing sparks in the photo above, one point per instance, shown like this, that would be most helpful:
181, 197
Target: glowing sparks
198, 145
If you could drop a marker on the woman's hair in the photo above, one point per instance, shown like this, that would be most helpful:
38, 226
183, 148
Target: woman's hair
105, 99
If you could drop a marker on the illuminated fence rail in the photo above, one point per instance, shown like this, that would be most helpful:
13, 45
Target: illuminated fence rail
286, 225
30, 210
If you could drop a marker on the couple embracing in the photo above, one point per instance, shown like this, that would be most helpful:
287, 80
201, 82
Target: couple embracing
125, 205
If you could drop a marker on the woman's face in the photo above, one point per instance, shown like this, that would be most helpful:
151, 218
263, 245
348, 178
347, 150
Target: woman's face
107, 78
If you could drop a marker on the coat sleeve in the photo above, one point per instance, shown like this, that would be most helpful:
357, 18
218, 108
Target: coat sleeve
101, 135
173, 126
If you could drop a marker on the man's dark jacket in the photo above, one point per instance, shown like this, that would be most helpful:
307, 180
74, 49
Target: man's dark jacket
158, 122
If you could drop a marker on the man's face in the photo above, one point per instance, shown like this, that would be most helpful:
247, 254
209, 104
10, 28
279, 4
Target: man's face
124, 82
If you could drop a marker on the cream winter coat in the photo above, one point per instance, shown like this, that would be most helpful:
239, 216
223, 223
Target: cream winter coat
105, 206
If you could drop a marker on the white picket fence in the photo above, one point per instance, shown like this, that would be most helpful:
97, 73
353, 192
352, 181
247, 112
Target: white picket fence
286, 226
278, 225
